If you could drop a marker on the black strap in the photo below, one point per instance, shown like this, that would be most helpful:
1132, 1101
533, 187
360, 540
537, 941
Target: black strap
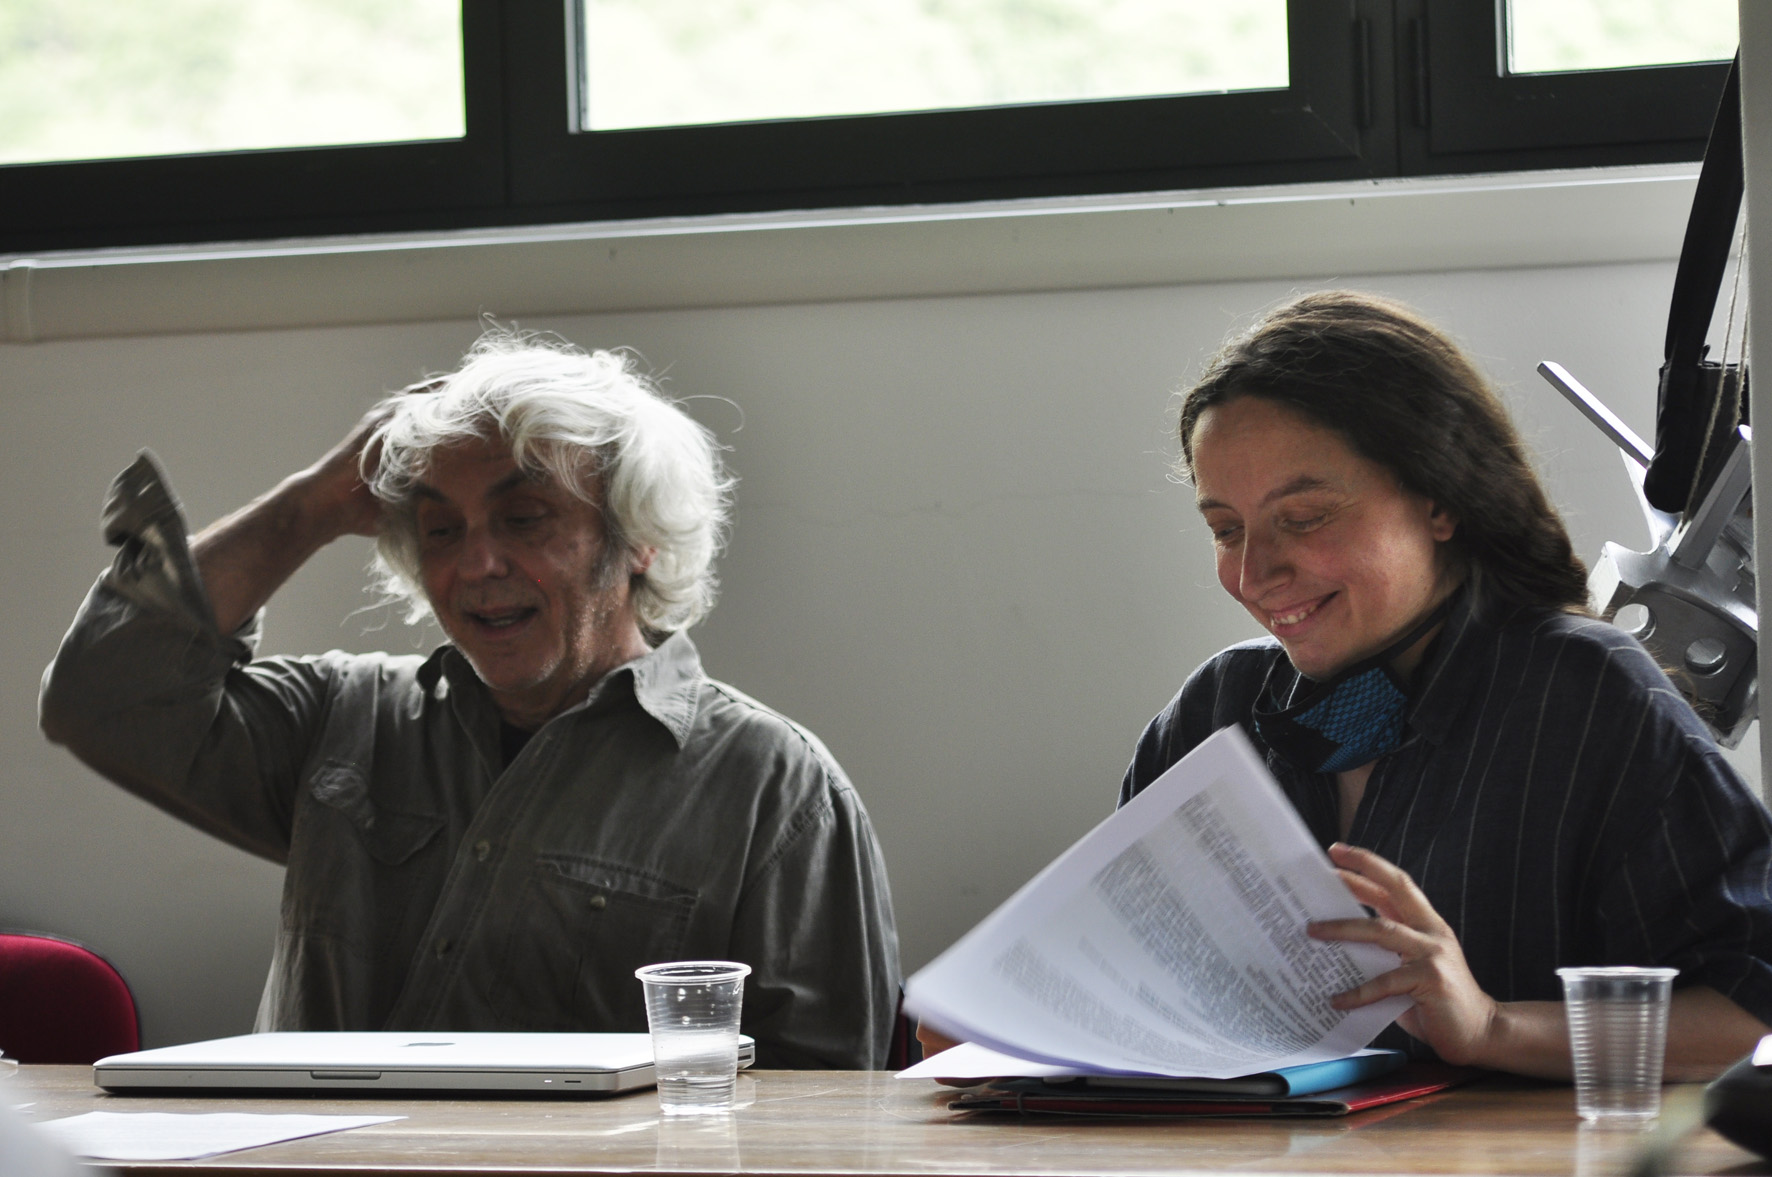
1685, 401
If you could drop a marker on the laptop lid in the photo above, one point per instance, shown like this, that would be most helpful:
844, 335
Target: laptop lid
536, 1064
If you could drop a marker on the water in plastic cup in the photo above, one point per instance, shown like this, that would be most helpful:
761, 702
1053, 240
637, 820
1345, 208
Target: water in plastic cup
692, 1007
1617, 1036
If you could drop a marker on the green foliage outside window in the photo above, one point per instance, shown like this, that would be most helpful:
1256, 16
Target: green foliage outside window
90, 79
664, 62
1561, 35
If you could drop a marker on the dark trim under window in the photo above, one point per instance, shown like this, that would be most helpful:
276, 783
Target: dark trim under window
1379, 88
1463, 115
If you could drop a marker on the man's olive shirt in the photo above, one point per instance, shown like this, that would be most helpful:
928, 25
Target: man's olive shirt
432, 887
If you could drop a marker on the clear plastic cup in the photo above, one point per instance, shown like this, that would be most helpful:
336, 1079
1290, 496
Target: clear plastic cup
692, 1008
1617, 1037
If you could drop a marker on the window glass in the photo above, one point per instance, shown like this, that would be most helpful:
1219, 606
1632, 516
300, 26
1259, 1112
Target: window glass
653, 63
94, 79
1546, 36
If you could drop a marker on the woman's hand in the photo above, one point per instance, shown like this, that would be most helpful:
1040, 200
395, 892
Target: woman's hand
1706, 1031
932, 1042
1451, 1014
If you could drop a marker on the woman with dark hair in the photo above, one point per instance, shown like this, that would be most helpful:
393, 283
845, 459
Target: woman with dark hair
1508, 783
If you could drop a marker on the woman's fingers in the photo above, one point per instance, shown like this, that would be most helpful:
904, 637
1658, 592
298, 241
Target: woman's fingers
1399, 982
1386, 933
1450, 1012
1385, 887
1369, 894
1371, 866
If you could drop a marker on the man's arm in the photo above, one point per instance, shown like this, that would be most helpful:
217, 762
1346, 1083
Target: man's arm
818, 927
247, 556
150, 691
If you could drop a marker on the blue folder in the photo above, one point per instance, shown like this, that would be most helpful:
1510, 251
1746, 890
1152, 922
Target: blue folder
1301, 1080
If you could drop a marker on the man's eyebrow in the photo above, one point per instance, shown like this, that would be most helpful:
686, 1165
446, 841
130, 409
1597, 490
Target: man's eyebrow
424, 490
1299, 485
512, 481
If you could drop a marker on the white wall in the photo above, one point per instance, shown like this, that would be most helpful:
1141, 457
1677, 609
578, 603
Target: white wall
958, 556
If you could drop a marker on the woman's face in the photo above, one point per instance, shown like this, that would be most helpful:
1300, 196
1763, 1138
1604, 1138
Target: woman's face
1319, 544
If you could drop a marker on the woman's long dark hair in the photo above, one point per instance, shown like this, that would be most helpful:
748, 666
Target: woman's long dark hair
1402, 394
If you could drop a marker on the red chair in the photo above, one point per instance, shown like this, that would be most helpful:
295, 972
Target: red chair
61, 1003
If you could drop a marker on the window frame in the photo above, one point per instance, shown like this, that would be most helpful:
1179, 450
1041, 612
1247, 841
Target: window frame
276, 192
1318, 128
1380, 89
1464, 113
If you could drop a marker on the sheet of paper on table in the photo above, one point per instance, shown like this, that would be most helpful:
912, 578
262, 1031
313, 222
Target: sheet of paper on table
970, 1060
170, 1136
1170, 940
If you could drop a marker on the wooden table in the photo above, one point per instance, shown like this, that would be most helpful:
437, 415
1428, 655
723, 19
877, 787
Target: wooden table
793, 1124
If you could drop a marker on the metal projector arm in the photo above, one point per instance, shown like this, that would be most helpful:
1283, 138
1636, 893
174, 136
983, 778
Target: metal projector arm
1690, 598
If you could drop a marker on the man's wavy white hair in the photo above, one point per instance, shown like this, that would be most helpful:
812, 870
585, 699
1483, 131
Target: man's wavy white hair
592, 424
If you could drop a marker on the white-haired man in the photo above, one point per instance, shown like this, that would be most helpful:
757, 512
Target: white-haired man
496, 836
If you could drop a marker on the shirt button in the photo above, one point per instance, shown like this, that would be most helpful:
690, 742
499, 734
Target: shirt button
599, 902
443, 946
481, 849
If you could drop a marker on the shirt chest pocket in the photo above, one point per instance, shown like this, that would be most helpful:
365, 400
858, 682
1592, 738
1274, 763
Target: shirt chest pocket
354, 857
388, 835
580, 930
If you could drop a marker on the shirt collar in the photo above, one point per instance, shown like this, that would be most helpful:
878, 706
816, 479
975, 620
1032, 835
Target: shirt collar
665, 682
1449, 669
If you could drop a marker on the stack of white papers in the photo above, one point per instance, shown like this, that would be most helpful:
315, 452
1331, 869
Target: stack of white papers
1169, 941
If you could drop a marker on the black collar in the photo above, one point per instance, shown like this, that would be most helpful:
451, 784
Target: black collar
1450, 669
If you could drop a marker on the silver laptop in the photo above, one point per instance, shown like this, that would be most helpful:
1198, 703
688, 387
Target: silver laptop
536, 1064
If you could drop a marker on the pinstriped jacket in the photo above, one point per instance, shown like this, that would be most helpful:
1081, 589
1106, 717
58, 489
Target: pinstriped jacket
1554, 796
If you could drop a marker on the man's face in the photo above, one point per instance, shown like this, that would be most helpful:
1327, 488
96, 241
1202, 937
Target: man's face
510, 564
